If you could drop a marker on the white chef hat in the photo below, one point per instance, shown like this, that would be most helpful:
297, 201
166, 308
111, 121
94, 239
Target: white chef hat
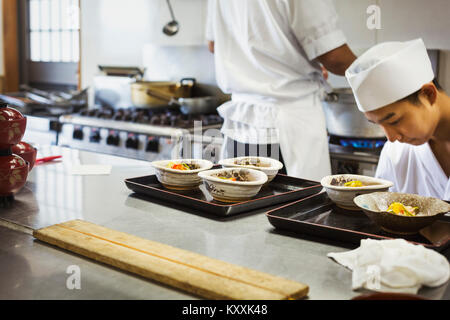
389, 72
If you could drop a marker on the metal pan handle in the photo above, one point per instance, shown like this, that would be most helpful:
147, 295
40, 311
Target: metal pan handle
159, 95
190, 82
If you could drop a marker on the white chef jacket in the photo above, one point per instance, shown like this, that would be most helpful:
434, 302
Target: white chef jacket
264, 57
413, 169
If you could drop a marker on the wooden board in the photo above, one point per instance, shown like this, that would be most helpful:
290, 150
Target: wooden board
191, 272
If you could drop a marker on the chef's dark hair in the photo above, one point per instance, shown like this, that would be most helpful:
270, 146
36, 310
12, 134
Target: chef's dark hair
414, 98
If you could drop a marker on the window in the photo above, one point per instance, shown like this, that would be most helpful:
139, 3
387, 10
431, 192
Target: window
54, 30
50, 42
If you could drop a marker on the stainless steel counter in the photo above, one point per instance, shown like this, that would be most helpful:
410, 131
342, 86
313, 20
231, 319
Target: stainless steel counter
34, 270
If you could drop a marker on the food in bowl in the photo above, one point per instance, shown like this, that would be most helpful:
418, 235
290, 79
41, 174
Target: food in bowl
378, 204
354, 184
343, 188
403, 210
183, 166
267, 165
256, 162
233, 184
181, 174
234, 175
345, 181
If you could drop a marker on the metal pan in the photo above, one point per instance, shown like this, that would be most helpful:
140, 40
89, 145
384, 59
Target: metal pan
141, 99
198, 105
344, 119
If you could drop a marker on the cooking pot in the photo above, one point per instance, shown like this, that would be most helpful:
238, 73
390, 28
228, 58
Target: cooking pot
197, 105
140, 98
344, 119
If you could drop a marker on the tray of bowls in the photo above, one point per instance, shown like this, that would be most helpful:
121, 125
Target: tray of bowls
234, 186
357, 207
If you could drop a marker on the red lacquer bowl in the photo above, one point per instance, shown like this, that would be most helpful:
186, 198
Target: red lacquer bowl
13, 174
12, 126
26, 151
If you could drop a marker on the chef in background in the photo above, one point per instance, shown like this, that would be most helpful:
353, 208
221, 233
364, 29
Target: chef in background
394, 86
269, 55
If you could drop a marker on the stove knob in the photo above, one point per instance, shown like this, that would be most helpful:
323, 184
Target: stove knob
132, 143
112, 140
78, 134
95, 136
152, 145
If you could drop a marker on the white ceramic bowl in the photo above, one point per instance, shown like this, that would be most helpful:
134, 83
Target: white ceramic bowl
180, 179
233, 191
343, 196
271, 169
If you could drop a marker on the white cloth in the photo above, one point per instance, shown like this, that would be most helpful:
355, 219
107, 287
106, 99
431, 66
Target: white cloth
389, 72
413, 169
394, 266
264, 55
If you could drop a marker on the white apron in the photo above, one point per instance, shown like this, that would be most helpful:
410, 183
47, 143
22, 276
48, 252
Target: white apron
298, 127
303, 138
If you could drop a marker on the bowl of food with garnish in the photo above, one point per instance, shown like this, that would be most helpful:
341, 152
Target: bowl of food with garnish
267, 165
401, 213
181, 174
233, 184
343, 188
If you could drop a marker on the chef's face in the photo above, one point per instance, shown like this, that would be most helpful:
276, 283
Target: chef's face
406, 121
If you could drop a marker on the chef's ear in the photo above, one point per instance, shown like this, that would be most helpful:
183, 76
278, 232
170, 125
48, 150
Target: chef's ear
428, 93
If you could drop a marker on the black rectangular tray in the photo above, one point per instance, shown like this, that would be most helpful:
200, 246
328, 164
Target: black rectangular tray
282, 189
319, 216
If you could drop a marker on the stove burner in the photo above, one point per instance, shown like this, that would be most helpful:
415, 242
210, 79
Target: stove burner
362, 143
164, 117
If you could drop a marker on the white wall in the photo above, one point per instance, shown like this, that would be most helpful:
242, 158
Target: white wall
122, 32
401, 20
115, 32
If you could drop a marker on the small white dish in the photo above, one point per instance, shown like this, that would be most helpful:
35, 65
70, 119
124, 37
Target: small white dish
180, 179
269, 166
233, 191
343, 196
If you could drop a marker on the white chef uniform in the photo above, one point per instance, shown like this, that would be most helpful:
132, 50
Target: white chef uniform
386, 73
413, 169
264, 54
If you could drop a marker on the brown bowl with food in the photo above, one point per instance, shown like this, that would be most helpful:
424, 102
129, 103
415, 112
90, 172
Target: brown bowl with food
401, 213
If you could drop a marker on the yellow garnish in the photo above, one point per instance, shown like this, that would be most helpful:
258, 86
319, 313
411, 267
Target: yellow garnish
400, 209
354, 184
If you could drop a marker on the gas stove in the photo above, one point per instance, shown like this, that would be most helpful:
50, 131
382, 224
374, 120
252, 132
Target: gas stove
145, 134
353, 155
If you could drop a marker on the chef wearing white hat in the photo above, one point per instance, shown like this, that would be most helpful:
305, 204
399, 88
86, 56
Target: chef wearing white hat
393, 83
